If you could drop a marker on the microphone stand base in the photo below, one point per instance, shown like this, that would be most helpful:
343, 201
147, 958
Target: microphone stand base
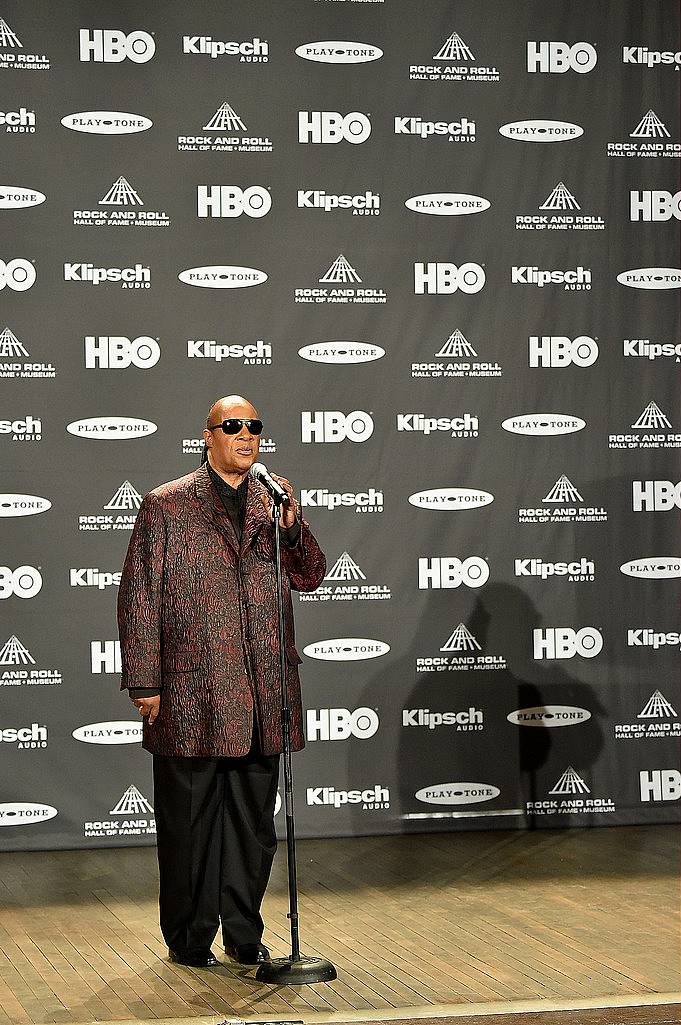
284, 971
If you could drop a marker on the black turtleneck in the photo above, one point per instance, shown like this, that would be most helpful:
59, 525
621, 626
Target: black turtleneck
234, 501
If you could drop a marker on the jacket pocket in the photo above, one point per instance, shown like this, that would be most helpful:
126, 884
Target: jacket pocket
182, 662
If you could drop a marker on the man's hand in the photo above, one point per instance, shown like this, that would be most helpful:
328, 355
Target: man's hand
289, 513
148, 706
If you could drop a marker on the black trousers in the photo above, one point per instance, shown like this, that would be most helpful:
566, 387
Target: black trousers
216, 843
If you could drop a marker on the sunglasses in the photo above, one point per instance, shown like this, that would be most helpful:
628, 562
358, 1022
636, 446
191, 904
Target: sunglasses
233, 425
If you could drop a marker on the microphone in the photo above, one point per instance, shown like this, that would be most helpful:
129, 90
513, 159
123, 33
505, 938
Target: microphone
260, 472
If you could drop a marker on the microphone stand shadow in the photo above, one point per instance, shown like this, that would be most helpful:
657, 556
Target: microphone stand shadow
295, 970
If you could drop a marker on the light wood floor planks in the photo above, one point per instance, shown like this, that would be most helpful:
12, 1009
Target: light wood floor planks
448, 918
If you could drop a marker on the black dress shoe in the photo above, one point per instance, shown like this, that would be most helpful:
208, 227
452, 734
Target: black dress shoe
249, 953
194, 958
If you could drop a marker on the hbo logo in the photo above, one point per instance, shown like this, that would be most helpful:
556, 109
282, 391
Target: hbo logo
557, 58
451, 572
445, 278
655, 495
24, 581
557, 351
651, 205
562, 642
334, 426
109, 46
660, 785
328, 126
231, 201
111, 352
340, 723
18, 275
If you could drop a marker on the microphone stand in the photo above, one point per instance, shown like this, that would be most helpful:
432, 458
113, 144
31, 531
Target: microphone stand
295, 970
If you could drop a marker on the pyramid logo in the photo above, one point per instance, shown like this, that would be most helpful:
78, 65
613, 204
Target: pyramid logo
125, 498
7, 37
225, 119
563, 491
132, 803
560, 199
652, 418
457, 347
461, 640
10, 346
121, 193
340, 272
649, 127
657, 708
453, 48
13, 653
344, 568
570, 783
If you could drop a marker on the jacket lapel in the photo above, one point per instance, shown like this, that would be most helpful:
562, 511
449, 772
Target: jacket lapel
256, 513
212, 507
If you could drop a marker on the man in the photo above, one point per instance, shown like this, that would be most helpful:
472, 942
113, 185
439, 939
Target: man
197, 618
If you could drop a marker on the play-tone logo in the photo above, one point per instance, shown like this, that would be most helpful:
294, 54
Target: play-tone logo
372, 798
333, 426
341, 723
111, 428
649, 495
370, 501
19, 61
221, 276
111, 46
450, 498
450, 572
562, 506
363, 204
258, 353
17, 122
658, 785
461, 651
447, 278
461, 130
462, 361
657, 720
559, 351
343, 352
110, 352
578, 569
343, 582
331, 127
16, 197
25, 813
556, 57
22, 582
346, 649
651, 277
651, 131
253, 51
17, 274
563, 642
541, 130
457, 793
664, 567
331, 52
106, 122
453, 56
659, 433
232, 201
118, 731
543, 424
233, 137
138, 276
447, 204
23, 505
549, 716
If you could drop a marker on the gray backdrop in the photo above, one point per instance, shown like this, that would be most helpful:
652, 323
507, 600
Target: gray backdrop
530, 680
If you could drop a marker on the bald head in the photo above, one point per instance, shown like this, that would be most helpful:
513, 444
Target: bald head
228, 406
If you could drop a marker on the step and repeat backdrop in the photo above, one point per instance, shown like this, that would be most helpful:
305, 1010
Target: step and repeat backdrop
437, 246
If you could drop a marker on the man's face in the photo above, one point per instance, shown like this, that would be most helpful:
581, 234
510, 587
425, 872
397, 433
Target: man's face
233, 453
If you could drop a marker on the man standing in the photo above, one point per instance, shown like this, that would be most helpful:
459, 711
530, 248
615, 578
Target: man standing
197, 616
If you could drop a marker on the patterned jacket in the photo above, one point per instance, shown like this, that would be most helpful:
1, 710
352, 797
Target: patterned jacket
197, 618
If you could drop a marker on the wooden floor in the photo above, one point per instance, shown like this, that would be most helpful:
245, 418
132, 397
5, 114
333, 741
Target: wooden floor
420, 922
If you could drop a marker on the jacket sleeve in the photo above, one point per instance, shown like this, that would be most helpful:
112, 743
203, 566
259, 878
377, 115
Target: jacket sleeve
304, 562
139, 600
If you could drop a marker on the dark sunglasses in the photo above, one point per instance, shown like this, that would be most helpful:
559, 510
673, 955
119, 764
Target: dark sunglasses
233, 425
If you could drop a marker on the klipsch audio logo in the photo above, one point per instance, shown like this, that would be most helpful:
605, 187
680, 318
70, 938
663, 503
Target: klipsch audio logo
372, 798
643, 348
220, 276
651, 132
459, 130
232, 201
111, 428
457, 793
332, 426
651, 58
651, 277
138, 276
654, 205
93, 577
126, 497
25, 813
105, 657
463, 721
112, 352
456, 62
23, 505
448, 499
29, 428
364, 204
463, 426
26, 738
370, 501
329, 127
331, 52
341, 352
121, 731
248, 51
447, 204
118, 209
660, 785
549, 716
135, 813
14, 55
561, 642
662, 567
559, 351
556, 58
461, 650
343, 277
543, 424
565, 507
541, 130
578, 569
657, 719
16, 197
251, 354
657, 432
450, 572
568, 797
111, 46
233, 135
22, 582
341, 723
655, 495
16, 663
17, 274
461, 361
18, 122
106, 122
346, 581
559, 205
346, 649
446, 278
576, 280
655, 639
